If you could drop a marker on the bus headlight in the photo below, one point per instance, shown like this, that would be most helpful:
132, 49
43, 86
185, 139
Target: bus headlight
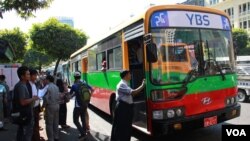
178, 112
231, 100
170, 113
158, 114
228, 101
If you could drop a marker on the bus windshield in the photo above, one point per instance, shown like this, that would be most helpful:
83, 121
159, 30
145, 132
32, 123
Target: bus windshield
182, 50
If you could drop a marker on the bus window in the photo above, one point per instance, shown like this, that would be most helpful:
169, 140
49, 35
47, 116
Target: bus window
114, 58
91, 60
110, 59
100, 57
174, 63
75, 66
118, 58
175, 53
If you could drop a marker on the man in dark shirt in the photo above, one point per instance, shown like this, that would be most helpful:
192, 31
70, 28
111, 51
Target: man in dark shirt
33, 91
24, 101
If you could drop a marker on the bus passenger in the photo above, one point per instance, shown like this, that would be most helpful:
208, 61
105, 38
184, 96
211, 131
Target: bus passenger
80, 110
104, 64
122, 124
51, 105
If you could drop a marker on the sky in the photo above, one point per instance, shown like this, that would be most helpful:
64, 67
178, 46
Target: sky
94, 17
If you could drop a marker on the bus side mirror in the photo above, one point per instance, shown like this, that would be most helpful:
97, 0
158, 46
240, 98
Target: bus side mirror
151, 53
150, 48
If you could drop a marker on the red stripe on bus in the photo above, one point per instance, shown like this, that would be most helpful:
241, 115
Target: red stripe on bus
193, 103
100, 99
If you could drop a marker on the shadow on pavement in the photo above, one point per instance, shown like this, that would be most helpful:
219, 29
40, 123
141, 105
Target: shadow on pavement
8, 133
68, 134
96, 136
71, 134
100, 113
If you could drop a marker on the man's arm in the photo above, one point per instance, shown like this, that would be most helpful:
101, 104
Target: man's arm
23, 101
137, 90
72, 90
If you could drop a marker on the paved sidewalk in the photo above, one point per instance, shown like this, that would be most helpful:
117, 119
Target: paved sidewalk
70, 134
98, 133
8, 133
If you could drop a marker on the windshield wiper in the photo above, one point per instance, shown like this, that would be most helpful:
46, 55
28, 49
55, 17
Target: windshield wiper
216, 63
220, 70
190, 74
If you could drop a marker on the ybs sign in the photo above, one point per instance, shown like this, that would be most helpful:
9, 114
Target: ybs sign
188, 19
239, 132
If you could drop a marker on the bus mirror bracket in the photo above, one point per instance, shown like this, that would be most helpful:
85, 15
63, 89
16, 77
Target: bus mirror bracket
150, 48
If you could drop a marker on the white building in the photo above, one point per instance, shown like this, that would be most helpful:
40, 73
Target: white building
238, 11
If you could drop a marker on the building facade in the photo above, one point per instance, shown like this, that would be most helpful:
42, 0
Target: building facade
195, 2
66, 20
238, 11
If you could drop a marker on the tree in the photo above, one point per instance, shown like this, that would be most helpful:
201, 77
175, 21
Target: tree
17, 40
240, 38
56, 39
23, 7
36, 59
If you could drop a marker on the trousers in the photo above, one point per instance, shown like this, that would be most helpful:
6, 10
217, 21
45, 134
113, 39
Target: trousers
52, 121
122, 123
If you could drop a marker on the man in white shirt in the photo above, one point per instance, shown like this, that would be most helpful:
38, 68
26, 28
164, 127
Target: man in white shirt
33, 91
122, 124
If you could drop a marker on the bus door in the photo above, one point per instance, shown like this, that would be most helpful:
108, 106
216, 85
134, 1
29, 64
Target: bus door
84, 68
135, 54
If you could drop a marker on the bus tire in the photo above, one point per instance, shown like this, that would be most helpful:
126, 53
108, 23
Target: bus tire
242, 96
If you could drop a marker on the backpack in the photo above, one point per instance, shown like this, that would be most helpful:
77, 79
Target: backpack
84, 92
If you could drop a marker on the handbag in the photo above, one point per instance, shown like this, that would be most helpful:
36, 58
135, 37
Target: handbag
67, 97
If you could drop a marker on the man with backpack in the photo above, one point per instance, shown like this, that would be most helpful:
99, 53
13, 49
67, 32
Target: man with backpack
81, 91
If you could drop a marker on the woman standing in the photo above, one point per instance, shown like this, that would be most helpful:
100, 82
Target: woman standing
63, 104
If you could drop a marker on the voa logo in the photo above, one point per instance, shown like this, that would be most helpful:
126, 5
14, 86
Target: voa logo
236, 132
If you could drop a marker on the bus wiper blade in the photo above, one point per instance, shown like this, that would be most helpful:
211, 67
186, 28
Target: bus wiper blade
188, 77
220, 70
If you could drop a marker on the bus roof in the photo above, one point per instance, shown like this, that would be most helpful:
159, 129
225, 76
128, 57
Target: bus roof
142, 16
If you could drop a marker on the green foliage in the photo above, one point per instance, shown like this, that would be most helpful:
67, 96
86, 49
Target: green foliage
56, 39
24, 8
36, 59
240, 37
17, 40
244, 51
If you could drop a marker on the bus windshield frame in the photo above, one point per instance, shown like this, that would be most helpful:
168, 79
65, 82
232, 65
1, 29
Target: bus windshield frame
205, 51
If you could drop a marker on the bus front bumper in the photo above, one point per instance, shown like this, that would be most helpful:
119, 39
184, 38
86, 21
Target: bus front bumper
163, 127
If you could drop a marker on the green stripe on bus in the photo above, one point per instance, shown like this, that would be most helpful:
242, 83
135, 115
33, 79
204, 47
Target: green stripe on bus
107, 80
199, 85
